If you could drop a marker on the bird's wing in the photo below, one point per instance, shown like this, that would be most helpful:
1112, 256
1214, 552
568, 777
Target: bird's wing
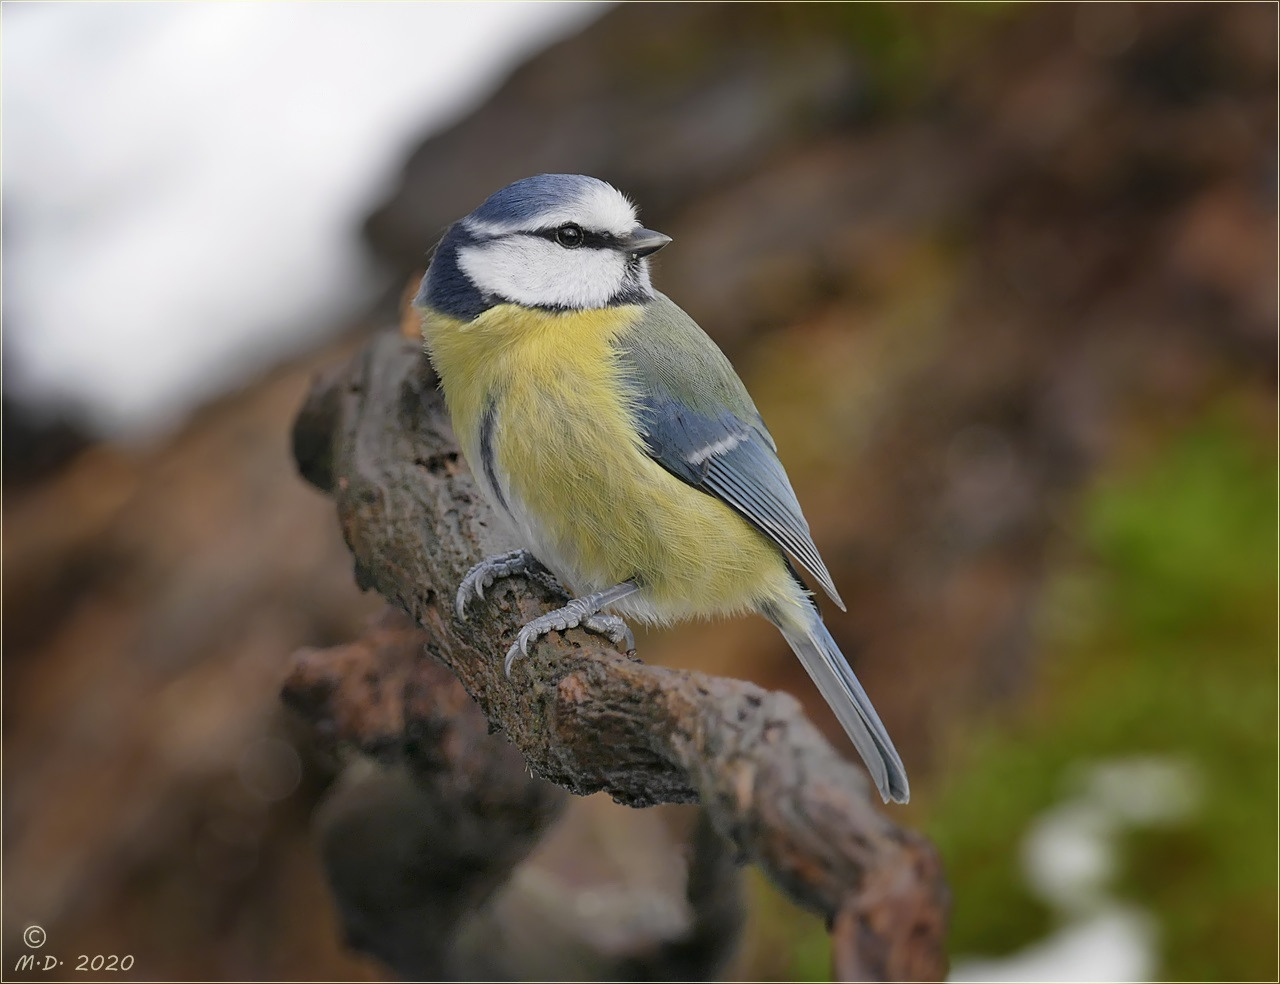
698, 422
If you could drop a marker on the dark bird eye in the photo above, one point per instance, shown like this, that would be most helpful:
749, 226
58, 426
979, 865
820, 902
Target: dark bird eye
569, 236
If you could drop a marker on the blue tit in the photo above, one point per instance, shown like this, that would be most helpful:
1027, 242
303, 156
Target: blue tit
616, 439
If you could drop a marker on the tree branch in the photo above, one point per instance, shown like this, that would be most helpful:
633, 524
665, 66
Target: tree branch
375, 435
420, 836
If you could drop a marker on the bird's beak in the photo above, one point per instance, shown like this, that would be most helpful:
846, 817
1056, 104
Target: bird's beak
643, 242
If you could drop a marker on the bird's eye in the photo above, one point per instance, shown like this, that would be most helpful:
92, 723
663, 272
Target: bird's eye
569, 236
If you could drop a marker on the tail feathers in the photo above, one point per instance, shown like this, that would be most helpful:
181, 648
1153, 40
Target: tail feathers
835, 680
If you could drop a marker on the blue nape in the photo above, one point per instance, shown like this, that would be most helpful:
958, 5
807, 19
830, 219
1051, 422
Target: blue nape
446, 288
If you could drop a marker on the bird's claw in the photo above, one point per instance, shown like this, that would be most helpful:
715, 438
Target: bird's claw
613, 628
471, 588
517, 649
571, 616
521, 646
492, 569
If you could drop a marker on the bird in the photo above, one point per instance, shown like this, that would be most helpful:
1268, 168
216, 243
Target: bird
617, 441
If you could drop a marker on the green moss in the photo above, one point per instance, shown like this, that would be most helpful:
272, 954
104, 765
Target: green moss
782, 941
1163, 644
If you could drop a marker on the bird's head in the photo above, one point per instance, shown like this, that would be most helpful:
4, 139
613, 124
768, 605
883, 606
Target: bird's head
563, 242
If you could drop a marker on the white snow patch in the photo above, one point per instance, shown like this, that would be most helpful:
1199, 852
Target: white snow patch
1117, 944
183, 183
1070, 856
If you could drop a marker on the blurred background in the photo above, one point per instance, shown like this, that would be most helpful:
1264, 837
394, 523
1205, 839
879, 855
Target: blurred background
1001, 278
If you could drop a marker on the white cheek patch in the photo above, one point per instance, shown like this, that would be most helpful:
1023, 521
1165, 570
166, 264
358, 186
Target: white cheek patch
539, 273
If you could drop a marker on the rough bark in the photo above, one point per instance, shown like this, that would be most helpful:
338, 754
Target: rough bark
422, 832
375, 435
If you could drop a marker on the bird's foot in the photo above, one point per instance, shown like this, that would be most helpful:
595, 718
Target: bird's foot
613, 628
517, 563
580, 612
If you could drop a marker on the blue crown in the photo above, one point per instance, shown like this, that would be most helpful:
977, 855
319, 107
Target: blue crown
524, 200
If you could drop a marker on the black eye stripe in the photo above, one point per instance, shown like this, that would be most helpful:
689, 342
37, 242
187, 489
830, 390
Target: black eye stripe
590, 240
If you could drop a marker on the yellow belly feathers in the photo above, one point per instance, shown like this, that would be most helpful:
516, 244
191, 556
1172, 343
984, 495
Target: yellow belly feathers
572, 470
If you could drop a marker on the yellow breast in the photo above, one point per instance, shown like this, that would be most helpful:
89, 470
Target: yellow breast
571, 467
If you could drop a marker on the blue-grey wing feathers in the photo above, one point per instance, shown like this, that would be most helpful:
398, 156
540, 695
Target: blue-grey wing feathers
698, 422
